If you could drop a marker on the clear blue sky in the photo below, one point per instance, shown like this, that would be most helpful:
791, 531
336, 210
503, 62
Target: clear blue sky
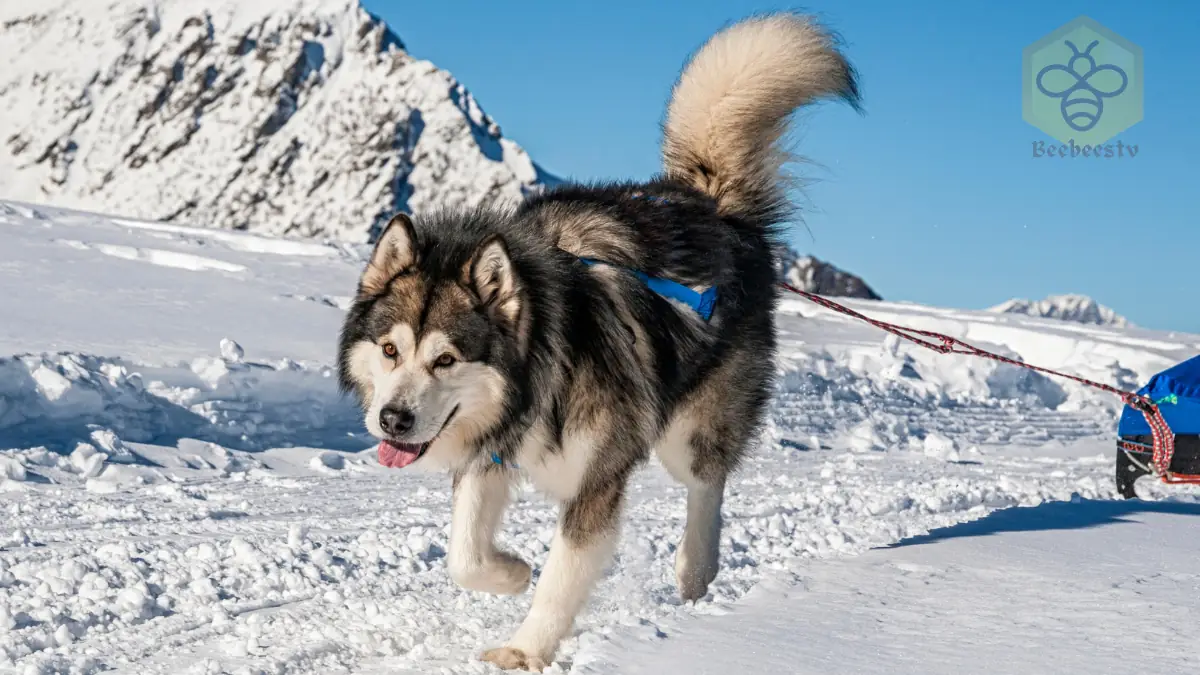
933, 195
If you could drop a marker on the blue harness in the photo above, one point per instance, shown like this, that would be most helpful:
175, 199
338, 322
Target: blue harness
702, 302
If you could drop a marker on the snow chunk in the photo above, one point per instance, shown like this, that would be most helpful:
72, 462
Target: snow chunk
11, 469
328, 460
88, 461
231, 351
941, 447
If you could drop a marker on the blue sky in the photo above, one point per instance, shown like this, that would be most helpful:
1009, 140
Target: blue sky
933, 195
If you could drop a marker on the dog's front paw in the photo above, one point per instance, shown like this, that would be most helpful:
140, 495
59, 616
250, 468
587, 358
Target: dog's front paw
511, 658
504, 574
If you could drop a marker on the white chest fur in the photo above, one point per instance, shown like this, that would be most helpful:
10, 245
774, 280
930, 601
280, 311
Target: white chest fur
557, 474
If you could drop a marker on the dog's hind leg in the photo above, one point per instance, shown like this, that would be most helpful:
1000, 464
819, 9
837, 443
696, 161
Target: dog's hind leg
697, 557
706, 439
480, 496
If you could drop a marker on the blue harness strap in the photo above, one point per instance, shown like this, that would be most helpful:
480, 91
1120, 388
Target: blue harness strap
702, 302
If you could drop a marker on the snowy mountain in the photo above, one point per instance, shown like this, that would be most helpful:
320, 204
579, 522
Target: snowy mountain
1077, 308
184, 490
281, 116
817, 276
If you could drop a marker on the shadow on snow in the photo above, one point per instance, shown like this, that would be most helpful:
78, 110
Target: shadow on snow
1074, 515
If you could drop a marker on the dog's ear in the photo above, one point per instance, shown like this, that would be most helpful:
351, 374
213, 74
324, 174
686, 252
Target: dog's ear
492, 275
395, 251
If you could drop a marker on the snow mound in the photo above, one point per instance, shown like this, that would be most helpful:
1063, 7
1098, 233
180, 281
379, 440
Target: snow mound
1076, 308
59, 400
289, 116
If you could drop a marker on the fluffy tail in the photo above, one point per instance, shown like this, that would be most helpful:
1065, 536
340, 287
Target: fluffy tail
730, 109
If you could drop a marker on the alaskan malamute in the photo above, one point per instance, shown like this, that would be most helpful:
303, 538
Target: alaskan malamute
565, 338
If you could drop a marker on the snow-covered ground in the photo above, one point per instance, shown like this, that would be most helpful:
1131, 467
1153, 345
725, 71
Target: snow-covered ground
182, 490
1065, 587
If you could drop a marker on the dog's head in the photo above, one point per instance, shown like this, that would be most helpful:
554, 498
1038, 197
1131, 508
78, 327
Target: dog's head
430, 339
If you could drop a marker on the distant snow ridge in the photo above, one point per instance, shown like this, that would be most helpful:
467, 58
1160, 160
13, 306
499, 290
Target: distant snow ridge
1077, 308
817, 276
303, 117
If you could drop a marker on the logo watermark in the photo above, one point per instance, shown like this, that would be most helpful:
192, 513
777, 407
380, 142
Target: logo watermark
1070, 150
1082, 85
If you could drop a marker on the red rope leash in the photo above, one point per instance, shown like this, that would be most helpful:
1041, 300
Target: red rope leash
1164, 438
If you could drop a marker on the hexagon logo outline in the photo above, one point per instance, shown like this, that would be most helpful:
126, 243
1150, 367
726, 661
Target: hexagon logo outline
1082, 82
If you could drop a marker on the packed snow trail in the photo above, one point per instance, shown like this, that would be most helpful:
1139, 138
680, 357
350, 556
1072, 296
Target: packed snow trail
183, 490
1066, 587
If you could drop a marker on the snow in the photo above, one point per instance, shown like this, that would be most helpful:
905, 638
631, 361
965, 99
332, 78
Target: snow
297, 116
1065, 587
1077, 308
183, 490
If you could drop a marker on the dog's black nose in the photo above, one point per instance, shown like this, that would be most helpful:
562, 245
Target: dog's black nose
396, 421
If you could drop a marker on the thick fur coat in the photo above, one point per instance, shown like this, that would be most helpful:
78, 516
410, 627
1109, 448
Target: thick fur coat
496, 343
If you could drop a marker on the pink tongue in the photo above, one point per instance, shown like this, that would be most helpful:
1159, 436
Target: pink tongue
398, 456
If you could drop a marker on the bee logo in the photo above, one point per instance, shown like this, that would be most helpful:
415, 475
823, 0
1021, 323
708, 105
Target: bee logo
1082, 85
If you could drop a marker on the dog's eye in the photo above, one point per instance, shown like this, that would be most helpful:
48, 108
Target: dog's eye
445, 361
389, 350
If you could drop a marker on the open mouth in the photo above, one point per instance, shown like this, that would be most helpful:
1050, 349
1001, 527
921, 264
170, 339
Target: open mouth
397, 455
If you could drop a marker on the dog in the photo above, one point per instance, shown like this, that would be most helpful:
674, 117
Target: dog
566, 338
